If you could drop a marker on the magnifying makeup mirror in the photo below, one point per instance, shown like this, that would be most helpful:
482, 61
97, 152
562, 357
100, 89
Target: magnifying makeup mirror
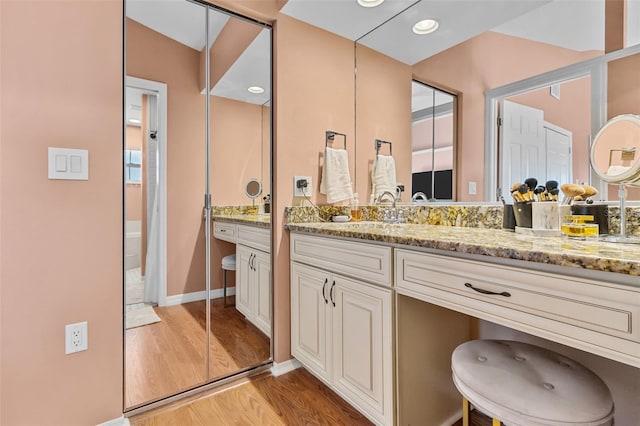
253, 189
615, 158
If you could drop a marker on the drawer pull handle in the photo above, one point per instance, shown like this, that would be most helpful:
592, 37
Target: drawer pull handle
483, 291
326, 280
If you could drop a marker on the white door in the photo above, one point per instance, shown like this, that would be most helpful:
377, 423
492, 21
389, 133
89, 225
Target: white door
558, 146
310, 319
262, 266
522, 145
363, 346
244, 275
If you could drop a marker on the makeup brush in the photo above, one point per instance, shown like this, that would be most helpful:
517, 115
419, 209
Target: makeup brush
571, 190
551, 184
531, 183
524, 191
553, 194
540, 193
589, 191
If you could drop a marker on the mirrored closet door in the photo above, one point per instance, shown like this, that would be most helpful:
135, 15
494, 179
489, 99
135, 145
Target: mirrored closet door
196, 138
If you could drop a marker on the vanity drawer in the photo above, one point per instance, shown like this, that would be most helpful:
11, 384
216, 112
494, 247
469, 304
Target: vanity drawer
224, 231
549, 305
254, 236
359, 260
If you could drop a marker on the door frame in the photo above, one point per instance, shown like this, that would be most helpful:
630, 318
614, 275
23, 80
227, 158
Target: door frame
161, 90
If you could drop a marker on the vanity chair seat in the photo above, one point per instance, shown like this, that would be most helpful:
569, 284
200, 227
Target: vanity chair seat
228, 264
526, 385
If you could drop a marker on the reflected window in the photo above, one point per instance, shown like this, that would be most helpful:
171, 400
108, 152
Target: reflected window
133, 166
432, 140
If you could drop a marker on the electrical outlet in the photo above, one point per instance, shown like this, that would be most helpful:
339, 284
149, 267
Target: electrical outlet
76, 337
302, 186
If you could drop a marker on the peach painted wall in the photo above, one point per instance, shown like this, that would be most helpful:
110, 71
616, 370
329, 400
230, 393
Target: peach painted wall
383, 111
485, 62
178, 67
623, 86
236, 150
61, 244
133, 191
314, 86
572, 112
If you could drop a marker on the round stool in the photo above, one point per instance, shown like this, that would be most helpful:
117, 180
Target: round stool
228, 264
526, 385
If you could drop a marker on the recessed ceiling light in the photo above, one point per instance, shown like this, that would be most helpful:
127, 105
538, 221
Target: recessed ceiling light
255, 89
370, 3
134, 121
425, 26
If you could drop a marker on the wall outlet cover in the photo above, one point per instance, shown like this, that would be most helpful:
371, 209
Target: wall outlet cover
299, 190
76, 337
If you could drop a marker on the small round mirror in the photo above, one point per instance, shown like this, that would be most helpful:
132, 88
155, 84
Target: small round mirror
615, 153
253, 188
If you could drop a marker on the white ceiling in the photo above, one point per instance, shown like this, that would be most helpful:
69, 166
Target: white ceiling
574, 24
185, 22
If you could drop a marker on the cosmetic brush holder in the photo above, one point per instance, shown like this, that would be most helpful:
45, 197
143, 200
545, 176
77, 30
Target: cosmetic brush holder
522, 213
545, 216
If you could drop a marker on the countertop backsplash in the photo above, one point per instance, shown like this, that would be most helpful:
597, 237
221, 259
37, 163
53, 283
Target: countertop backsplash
461, 215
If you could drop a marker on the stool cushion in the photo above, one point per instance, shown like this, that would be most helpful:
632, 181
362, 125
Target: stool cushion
523, 384
229, 262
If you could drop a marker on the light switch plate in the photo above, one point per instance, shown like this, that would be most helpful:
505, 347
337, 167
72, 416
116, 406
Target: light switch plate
68, 164
473, 188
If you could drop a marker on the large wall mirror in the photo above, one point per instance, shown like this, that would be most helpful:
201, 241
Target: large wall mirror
505, 42
544, 126
193, 132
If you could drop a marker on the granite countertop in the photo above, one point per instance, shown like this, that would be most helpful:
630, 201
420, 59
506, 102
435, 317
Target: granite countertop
591, 255
260, 220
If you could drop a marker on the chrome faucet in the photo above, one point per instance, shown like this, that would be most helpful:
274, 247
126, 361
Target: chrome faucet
392, 215
419, 196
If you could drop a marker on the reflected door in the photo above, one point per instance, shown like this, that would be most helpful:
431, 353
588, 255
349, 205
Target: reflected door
166, 350
240, 183
195, 63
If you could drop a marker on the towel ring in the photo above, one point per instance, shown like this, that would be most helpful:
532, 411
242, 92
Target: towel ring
379, 143
330, 135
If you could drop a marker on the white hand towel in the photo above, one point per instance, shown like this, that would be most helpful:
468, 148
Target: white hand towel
383, 175
336, 181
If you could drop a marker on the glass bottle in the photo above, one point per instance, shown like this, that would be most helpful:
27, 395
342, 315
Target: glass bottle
356, 213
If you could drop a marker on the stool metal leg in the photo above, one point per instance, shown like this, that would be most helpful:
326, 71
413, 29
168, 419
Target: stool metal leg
465, 411
496, 422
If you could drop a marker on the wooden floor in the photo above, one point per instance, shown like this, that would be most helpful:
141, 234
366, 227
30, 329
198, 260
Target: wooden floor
167, 357
296, 398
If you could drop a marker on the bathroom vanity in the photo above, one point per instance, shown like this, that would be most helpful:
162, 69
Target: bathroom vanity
585, 295
252, 236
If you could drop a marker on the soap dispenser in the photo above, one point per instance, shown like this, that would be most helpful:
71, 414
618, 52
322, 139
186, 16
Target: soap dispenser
356, 213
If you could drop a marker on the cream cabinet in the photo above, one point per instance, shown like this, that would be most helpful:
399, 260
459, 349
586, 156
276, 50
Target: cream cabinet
225, 231
341, 327
253, 286
253, 274
596, 316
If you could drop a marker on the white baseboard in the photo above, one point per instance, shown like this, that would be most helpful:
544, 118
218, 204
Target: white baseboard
179, 299
280, 368
454, 418
120, 421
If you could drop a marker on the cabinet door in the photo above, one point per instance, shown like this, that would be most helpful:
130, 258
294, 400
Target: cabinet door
244, 275
310, 331
262, 287
363, 369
